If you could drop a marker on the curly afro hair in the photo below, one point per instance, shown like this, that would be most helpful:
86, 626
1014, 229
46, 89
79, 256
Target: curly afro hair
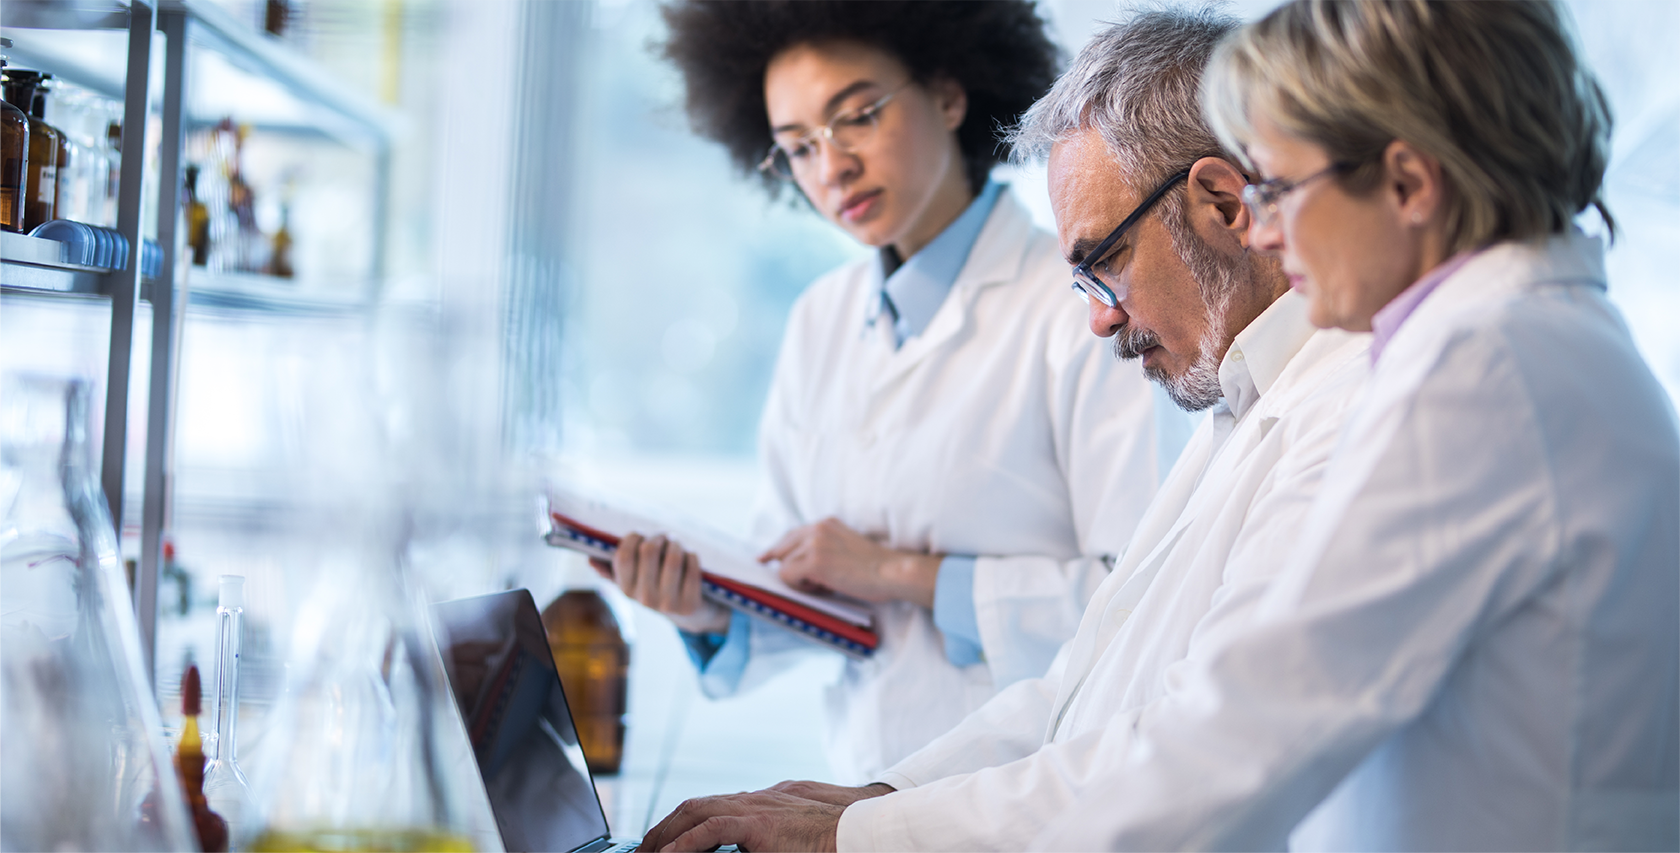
997, 50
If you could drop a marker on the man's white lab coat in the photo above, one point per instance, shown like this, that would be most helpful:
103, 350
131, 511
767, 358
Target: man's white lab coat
1208, 545
1475, 644
1004, 431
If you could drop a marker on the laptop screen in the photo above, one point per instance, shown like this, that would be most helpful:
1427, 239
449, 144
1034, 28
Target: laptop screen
503, 677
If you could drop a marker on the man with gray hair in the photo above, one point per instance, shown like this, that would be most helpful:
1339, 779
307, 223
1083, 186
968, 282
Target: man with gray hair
1149, 211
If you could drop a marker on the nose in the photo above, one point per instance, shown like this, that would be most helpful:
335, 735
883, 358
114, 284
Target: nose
833, 165
1105, 321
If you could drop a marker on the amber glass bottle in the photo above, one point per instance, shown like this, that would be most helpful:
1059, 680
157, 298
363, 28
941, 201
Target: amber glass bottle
594, 664
198, 220
14, 156
40, 180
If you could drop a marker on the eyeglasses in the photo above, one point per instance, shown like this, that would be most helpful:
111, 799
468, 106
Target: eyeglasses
847, 132
1085, 282
1263, 198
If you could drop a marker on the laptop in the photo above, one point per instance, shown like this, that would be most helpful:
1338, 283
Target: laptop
503, 677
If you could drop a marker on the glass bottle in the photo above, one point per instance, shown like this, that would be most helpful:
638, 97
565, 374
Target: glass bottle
280, 259
594, 664
113, 172
86, 765
41, 175
63, 203
211, 829
198, 221
362, 724
14, 155
225, 786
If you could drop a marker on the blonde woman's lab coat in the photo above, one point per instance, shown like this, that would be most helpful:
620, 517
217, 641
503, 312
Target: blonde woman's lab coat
1005, 431
1211, 542
1476, 645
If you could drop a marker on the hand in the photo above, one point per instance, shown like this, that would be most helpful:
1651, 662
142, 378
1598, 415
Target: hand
834, 795
829, 556
658, 573
764, 820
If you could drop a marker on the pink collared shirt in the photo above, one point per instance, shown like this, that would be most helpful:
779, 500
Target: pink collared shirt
1388, 319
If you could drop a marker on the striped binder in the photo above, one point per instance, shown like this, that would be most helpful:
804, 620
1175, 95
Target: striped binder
851, 638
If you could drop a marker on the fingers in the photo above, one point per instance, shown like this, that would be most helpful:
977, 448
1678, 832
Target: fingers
668, 586
602, 568
784, 546
625, 562
684, 817
649, 559
712, 833
688, 590
653, 570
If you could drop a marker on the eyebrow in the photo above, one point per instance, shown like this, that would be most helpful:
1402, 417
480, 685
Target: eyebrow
832, 105
1084, 245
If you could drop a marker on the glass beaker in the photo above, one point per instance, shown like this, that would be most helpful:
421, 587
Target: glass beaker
86, 763
361, 726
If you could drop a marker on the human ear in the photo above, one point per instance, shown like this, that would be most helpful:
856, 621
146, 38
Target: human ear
952, 100
1413, 181
1214, 200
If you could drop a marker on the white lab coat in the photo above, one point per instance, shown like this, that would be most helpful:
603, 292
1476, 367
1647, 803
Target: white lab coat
1210, 542
1476, 645
1004, 431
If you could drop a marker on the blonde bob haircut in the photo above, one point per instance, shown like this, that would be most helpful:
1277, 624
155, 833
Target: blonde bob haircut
1492, 90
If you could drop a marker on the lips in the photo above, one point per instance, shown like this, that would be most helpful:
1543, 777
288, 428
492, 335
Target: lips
859, 205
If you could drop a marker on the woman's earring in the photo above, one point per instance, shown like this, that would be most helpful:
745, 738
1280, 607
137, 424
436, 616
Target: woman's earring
1417, 217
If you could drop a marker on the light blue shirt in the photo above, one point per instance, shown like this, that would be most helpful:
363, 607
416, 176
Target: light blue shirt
911, 293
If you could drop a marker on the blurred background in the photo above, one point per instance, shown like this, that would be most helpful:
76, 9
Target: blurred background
440, 252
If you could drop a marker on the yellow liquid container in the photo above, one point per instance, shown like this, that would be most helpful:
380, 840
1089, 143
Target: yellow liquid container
345, 841
594, 664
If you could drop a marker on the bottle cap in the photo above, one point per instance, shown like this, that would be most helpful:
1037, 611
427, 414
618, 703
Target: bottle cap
232, 592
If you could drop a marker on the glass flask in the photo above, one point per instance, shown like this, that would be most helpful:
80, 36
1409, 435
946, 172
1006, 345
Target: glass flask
86, 763
225, 785
362, 723
594, 664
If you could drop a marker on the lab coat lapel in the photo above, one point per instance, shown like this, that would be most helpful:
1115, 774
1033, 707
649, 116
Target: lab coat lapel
996, 259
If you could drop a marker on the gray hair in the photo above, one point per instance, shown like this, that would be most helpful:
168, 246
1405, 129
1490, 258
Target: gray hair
1137, 83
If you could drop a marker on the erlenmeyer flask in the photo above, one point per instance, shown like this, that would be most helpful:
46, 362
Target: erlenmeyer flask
362, 725
85, 763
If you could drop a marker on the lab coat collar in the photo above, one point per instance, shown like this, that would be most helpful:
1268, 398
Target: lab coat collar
1261, 351
997, 258
1509, 267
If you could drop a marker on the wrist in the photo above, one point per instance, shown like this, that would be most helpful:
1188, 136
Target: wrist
709, 618
913, 576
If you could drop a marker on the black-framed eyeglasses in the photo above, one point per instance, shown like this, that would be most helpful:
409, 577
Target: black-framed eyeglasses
847, 132
1264, 197
1085, 282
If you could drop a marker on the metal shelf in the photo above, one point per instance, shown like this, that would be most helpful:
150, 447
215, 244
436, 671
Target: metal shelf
37, 265
272, 88
249, 75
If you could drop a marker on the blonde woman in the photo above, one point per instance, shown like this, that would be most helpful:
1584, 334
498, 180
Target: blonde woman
1474, 645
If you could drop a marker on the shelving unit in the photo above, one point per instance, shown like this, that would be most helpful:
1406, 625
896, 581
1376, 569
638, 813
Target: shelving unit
276, 90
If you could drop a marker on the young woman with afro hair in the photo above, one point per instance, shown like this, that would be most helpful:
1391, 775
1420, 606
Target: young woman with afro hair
942, 436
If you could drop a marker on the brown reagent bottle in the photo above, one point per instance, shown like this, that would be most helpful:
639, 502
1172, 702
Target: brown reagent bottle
41, 172
189, 763
14, 156
594, 665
